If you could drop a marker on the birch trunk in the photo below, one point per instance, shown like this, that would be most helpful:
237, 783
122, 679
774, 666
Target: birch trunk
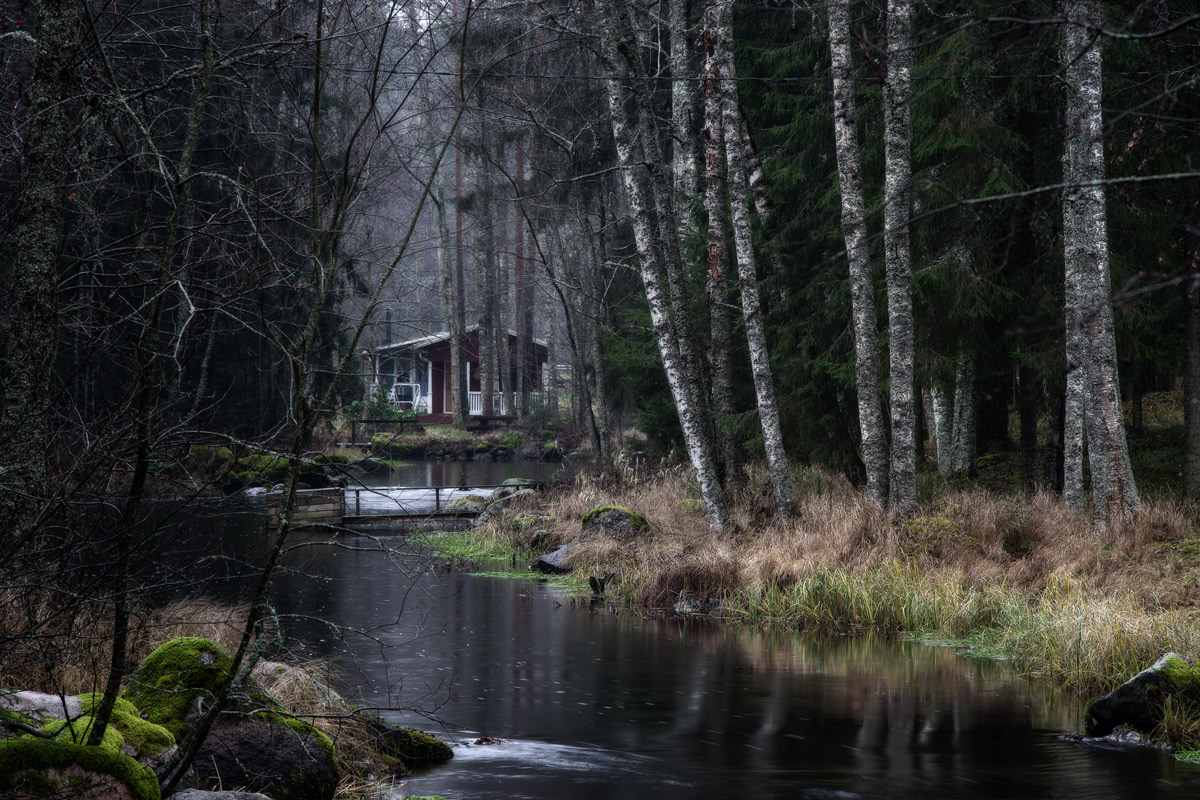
660, 203
690, 415
720, 292
683, 102
757, 177
1191, 388
1114, 494
897, 97
943, 424
866, 342
500, 333
719, 27
962, 434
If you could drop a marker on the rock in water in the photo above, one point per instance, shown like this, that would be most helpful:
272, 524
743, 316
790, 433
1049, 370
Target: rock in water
1138, 703
556, 561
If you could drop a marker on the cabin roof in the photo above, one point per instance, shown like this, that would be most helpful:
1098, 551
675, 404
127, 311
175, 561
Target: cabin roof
432, 339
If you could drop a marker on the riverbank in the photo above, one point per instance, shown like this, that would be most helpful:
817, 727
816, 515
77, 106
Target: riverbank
1000, 576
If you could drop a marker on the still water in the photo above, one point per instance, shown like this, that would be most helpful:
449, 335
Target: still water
591, 704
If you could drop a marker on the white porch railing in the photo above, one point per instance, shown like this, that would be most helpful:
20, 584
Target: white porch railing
475, 404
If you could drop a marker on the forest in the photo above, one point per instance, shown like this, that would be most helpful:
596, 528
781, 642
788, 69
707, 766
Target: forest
914, 248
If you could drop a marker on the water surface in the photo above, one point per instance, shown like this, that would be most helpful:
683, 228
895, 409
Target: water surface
591, 704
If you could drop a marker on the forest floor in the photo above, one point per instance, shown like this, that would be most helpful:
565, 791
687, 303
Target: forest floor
980, 565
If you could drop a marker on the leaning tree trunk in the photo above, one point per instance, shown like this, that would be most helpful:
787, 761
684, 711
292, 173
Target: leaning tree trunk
897, 103
683, 103
719, 33
690, 414
866, 343
1114, 494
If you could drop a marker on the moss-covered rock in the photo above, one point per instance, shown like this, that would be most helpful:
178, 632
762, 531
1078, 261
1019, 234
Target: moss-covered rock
166, 686
1139, 702
78, 731
144, 738
616, 522
52, 768
264, 753
412, 748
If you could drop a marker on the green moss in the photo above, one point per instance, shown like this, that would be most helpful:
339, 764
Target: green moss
414, 748
691, 504
78, 730
146, 737
636, 519
166, 685
1182, 676
25, 762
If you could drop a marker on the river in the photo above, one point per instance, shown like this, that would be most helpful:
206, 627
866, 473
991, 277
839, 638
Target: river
588, 703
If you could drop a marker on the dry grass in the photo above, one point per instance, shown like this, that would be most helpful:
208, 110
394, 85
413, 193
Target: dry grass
1083, 605
53, 643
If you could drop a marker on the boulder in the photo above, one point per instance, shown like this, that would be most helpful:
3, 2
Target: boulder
527, 482
412, 748
499, 502
41, 707
552, 453
167, 686
471, 504
1138, 703
278, 756
557, 561
615, 522
370, 465
50, 768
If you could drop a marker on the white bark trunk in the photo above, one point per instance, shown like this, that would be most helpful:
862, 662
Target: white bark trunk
962, 434
897, 96
1085, 232
943, 419
720, 291
690, 416
720, 32
866, 342
444, 262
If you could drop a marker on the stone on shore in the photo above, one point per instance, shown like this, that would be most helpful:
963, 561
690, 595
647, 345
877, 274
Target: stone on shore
1139, 702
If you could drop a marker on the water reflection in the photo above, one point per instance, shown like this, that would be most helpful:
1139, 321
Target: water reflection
597, 705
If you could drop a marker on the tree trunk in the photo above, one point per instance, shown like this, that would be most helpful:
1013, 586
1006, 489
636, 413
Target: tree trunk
719, 31
683, 103
446, 263
962, 434
487, 322
1191, 387
897, 97
30, 299
690, 415
866, 343
1114, 494
943, 419
720, 290
1027, 394
1053, 462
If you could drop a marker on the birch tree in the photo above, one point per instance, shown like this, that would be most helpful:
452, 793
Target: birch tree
1085, 255
641, 201
866, 341
897, 102
719, 35
719, 280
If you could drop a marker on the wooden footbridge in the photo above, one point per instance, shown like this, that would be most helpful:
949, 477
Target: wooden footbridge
359, 505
